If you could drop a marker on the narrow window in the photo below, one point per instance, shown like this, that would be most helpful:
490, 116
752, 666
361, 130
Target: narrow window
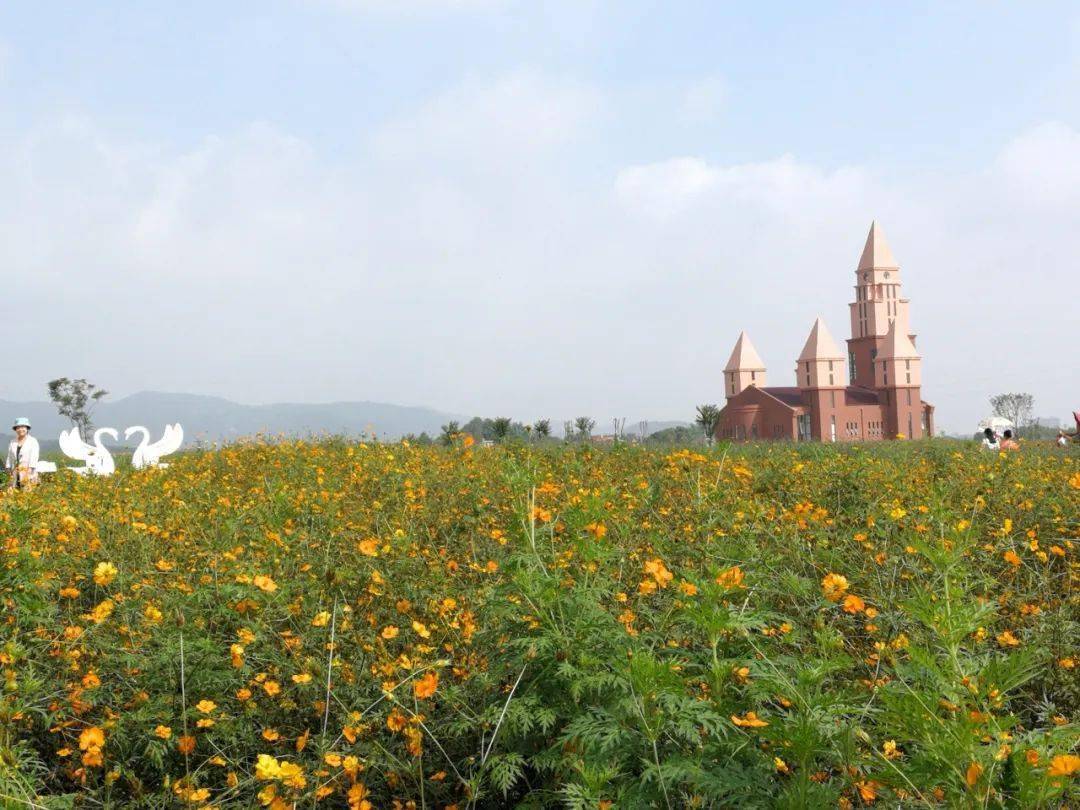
908, 392
753, 376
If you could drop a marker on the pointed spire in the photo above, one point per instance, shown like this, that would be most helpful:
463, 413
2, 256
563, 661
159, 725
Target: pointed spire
820, 345
744, 356
876, 254
897, 345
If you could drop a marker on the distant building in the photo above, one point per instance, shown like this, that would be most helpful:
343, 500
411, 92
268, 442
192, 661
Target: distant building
873, 393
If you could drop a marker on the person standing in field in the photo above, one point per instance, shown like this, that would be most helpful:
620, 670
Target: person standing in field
990, 441
22, 456
1008, 442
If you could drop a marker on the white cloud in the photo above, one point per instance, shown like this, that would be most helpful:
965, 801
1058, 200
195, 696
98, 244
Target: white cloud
492, 119
1042, 165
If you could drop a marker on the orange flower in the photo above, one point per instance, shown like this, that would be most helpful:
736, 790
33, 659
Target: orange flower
853, 604
1012, 558
92, 737
425, 687
396, 721
974, 772
834, 586
749, 720
264, 583
731, 578
1007, 639
1064, 765
389, 632
597, 530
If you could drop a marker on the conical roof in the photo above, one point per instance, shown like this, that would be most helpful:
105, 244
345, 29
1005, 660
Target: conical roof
897, 345
744, 356
876, 254
820, 345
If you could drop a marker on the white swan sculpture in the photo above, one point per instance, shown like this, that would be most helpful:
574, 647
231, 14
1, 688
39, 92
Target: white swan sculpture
99, 460
149, 454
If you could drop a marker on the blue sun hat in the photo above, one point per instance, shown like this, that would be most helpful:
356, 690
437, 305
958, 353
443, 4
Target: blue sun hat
22, 421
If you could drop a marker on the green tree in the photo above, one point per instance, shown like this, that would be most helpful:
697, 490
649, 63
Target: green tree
707, 417
75, 399
542, 428
500, 427
449, 431
583, 426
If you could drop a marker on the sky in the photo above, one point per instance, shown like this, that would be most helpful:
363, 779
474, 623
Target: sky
532, 209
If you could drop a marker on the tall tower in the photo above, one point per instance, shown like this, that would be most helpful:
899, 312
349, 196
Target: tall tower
877, 304
744, 368
820, 374
898, 378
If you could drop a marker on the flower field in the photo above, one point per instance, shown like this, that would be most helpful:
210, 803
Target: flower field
345, 625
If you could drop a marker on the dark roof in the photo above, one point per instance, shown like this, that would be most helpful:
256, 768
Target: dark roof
793, 397
789, 395
854, 395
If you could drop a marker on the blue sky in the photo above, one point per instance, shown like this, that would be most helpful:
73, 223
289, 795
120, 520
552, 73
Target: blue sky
498, 206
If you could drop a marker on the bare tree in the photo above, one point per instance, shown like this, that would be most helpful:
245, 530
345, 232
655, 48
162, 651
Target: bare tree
76, 399
1016, 408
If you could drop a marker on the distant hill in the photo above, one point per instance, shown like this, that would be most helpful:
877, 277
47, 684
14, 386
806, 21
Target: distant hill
207, 418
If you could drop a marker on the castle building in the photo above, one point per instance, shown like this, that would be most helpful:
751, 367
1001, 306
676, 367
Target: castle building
875, 392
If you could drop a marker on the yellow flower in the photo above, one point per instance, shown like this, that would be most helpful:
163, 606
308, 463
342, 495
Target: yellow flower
266, 767
205, 706
264, 583
102, 611
164, 732
292, 775
322, 618
105, 573
421, 630
834, 586
303, 677
389, 632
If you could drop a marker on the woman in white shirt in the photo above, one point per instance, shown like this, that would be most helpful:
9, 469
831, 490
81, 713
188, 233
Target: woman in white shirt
22, 456
990, 440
